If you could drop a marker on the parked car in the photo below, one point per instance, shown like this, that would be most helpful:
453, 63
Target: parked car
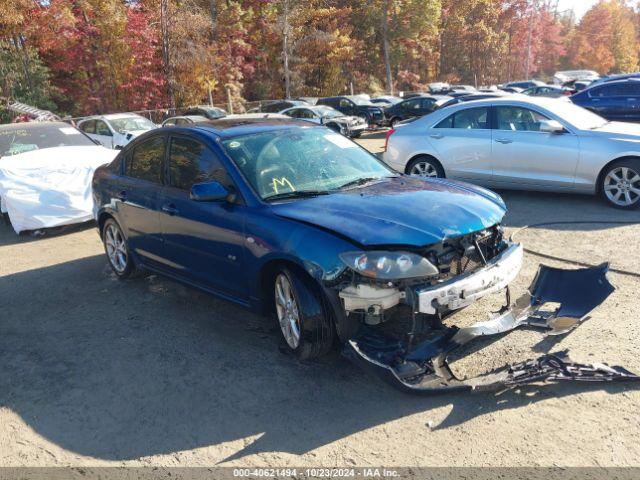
414, 107
356, 106
547, 91
300, 223
45, 174
386, 101
560, 78
184, 120
618, 100
523, 143
472, 97
276, 106
613, 78
524, 84
510, 89
212, 113
117, 129
463, 88
349, 126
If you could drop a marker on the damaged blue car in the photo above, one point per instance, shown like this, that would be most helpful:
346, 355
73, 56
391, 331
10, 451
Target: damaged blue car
297, 222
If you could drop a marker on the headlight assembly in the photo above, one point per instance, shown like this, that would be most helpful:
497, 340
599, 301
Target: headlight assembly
389, 265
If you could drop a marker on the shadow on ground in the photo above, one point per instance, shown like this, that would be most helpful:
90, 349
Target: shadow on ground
119, 370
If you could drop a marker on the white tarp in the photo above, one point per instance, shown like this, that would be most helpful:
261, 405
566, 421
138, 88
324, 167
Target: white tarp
50, 187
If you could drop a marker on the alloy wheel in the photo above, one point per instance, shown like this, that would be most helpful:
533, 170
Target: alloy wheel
424, 169
116, 248
287, 311
622, 186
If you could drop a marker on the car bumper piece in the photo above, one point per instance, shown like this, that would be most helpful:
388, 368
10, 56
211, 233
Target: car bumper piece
421, 366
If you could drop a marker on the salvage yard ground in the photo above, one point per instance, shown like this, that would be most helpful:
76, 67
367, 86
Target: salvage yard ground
96, 371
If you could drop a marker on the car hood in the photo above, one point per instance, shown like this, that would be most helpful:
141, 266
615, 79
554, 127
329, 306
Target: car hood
400, 211
621, 130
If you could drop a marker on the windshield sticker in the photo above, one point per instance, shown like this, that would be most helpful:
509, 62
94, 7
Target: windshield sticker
69, 131
339, 140
283, 182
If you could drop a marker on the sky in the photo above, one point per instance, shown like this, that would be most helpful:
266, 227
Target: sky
578, 6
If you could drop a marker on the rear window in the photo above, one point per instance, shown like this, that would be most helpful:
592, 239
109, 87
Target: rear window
145, 162
24, 137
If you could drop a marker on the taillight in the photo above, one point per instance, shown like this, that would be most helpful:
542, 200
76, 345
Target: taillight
386, 139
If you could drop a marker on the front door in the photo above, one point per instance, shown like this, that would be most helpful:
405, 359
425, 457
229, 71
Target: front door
103, 134
138, 196
525, 157
463, 143
203, 240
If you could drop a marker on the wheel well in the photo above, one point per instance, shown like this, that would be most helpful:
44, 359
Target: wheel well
268, 276
606, 167
423, 155
102, 218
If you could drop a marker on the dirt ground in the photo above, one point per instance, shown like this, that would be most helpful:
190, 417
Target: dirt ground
96, 371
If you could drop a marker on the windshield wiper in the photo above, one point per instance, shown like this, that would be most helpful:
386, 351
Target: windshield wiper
361, 181
297, 194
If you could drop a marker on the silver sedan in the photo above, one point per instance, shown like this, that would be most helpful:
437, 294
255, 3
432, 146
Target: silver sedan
523, 143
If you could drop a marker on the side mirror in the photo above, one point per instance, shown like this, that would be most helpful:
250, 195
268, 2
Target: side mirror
551, 126
208, 192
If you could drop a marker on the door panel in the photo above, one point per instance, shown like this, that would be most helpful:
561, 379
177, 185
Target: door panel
463, 144
204, 241
525, 157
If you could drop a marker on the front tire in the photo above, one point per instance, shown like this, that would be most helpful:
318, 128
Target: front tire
302, 315
117, 249
620, 184
426, 167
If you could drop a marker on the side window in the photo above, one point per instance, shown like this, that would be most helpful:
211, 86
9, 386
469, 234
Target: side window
446, 123
413, 104
608, 91
181, 121
170, 122
305, 113
472, 119
102, 129
427, 103
294, 113
89, 126
191, 162
146, 160
345, 103
518, 119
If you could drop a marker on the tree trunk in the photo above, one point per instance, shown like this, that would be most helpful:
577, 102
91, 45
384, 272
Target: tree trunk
166, 57
285, 51
385, 46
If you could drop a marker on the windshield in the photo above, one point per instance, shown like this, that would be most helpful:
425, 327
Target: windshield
24, 137
129, 124
301, 160
328, 112
577, 116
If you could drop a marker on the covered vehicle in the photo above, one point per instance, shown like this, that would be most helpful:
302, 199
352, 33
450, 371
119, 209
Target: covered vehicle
45, 174
296, 221
117, 129
347, 125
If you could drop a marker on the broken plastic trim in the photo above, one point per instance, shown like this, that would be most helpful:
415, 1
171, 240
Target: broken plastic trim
423, 368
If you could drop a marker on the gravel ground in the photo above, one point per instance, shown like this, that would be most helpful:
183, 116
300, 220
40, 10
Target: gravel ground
96, 371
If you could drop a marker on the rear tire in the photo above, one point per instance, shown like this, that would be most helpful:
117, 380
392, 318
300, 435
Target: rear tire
426, 167
302, 315
117, 249
620, 184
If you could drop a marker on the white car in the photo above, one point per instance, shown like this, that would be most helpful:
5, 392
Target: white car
523, 143
349, 126
46, 170
117, 129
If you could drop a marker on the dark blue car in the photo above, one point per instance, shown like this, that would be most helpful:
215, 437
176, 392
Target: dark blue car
617, 100
296, 221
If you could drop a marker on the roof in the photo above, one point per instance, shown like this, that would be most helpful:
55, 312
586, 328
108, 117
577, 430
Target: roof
231, 127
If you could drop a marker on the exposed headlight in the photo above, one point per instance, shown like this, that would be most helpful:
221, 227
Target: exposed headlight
389, 265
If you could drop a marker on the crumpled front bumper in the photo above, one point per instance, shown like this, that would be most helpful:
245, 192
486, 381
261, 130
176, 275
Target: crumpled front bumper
420, 366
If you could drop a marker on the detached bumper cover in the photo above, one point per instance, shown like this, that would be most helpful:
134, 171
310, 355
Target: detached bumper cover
422, 367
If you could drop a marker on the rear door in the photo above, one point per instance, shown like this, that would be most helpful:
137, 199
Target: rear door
608, 100
138, 198
463, 144
525, 157
203, 240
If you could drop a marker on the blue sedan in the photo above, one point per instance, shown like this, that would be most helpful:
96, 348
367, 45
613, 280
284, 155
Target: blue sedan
295, 221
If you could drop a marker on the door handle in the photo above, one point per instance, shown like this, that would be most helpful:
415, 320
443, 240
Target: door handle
122, 195
170, 209
437, 136
503, 140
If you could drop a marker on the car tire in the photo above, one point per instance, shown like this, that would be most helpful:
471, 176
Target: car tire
302, 315
356, 134
426, 167
620, 184
117, 249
